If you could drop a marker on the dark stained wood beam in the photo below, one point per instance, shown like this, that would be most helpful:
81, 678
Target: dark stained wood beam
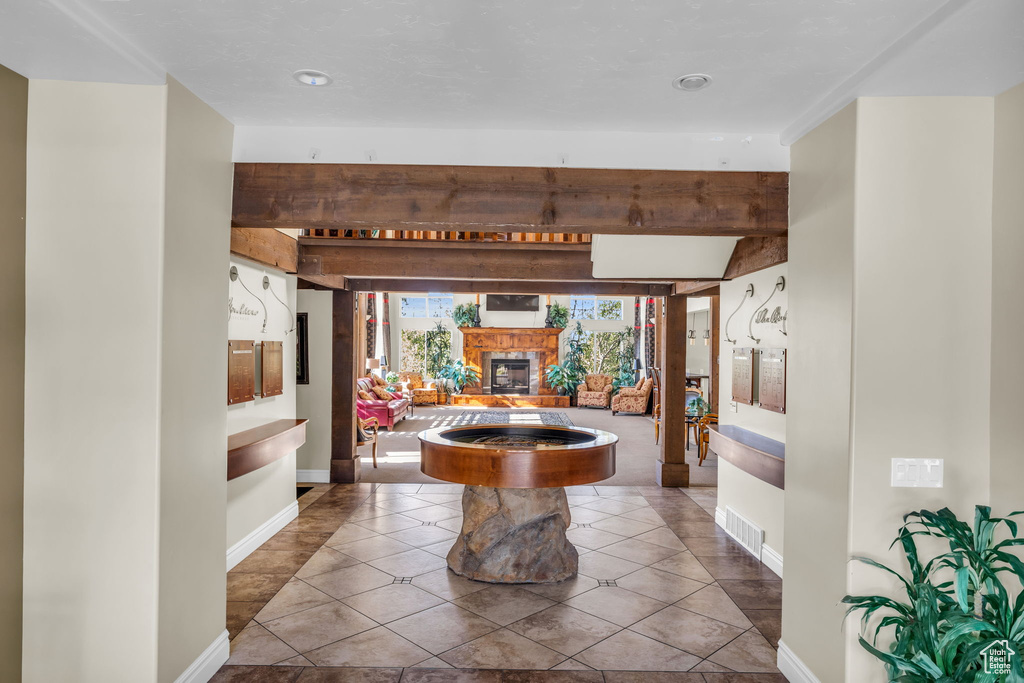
344, 459
508, 287
672, 468
756, 253
696, 287
485, 262
440, 244
505, 199
268, 247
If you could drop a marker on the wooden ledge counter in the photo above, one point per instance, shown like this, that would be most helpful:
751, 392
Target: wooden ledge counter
756, 455
258, 447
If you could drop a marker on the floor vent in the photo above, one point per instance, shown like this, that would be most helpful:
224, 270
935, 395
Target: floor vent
748, 534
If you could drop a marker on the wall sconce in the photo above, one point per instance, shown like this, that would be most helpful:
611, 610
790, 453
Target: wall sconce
692, 336
780, 285
707, 337
749, 292
233, 275
291, 317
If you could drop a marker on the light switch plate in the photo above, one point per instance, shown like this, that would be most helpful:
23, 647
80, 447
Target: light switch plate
917, 472
734, 406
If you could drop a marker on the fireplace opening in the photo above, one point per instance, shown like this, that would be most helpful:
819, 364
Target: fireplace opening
510, 376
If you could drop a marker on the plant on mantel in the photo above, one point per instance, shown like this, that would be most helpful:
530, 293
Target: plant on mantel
559, 315
959, 605
464, 314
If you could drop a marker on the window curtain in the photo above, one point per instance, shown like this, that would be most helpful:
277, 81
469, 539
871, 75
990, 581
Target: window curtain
637, 329
649, 333
385, 328
371, 325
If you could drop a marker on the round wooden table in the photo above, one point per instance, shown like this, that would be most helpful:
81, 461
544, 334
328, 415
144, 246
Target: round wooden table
515, 511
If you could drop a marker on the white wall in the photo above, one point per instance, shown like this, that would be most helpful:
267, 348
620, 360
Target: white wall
1007, 429
754, 418
92, 380
923, 213
580, 149
193, 415
13, 122
313, 400
819, 387
256, 497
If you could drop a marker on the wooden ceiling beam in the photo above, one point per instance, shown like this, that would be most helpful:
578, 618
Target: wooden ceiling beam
696, 287
507, 199
488, 262
509, 287
267, 247
756, 253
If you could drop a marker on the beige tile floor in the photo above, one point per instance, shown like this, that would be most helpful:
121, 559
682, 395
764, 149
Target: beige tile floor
357, 588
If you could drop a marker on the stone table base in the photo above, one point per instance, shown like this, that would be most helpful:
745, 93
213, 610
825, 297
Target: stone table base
514, 536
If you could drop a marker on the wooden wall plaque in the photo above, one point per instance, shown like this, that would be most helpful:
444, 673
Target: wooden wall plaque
772, 380
241, 370
272, 366
743, 375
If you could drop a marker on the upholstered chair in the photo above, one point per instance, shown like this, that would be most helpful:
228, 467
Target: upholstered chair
595, 392
422, 394
633, 399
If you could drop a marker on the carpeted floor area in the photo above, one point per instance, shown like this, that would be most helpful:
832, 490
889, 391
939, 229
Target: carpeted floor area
398, 454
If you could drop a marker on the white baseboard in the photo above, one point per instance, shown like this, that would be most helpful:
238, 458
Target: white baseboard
206, 665
262, 534
792, 668
313, 476
770, 557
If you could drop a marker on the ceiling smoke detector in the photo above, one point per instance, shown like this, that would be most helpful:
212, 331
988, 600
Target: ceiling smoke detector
312, 77
692, 82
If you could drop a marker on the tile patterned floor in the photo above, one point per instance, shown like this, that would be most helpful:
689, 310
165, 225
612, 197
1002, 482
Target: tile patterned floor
357, 589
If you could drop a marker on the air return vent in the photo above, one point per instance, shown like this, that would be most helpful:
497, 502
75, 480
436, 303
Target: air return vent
748, 534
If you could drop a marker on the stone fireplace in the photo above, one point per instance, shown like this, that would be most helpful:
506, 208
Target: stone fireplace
510, 372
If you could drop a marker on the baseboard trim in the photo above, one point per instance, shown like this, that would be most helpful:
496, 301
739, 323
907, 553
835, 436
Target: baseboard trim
770, 557
313, 476
207, 664
261, 534
792, 668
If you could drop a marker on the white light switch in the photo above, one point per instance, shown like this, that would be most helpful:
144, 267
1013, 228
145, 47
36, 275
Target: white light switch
917, 472
734, 406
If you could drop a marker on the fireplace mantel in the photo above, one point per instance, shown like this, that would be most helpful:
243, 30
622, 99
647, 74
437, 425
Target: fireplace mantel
542, 340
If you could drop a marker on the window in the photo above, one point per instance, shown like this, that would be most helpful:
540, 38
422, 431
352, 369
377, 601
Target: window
425, 351
432, 305
591, 308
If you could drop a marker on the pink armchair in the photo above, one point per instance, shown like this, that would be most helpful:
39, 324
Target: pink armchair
387, 412
633, 399
595, 392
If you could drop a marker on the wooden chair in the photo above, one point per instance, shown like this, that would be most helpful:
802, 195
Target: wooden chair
705, 436
367, 433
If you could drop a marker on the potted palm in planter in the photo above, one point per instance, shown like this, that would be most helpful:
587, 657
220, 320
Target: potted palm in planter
959, 614
458, 375
561, 379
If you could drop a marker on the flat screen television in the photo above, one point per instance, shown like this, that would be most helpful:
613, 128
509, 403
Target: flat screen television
513, 302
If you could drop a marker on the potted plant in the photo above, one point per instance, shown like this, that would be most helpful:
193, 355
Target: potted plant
561, 379
559, 315
392, 380
959, 609
464, 315
698, 405
459, 375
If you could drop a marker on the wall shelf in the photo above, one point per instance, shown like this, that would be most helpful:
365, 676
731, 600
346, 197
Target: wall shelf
756, 455
254, 448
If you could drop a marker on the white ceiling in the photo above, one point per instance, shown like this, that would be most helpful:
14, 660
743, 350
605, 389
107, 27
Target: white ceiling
647, 256
779, 66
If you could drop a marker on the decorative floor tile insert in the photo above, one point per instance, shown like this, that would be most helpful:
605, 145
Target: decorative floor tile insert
375, 591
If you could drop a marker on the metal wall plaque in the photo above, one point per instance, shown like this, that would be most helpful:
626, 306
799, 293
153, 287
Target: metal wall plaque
241, 370
772, 380
743, 375
272, 366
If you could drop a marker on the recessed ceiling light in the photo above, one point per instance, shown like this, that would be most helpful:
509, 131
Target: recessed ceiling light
692, 82
312, 77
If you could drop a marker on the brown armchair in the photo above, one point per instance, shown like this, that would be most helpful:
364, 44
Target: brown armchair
420, 392
633, 399
595, 392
